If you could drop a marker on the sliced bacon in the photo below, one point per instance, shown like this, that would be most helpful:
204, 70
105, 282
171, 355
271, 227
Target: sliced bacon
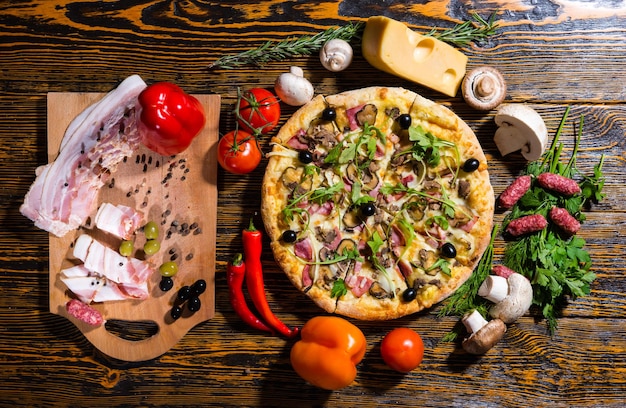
64, 193
358, 284
119, 220
296, 143
303, 249
109, 263
467, 227
306, 276
351, 113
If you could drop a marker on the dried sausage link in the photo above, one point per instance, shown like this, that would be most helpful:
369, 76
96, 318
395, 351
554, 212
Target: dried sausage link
526, 225
564, 220
502, 271
84, 312
514, 192
558, 184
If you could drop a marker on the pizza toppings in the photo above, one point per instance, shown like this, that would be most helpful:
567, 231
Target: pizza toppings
381, 178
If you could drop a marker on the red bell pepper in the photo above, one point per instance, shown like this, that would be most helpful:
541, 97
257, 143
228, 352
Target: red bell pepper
169, 119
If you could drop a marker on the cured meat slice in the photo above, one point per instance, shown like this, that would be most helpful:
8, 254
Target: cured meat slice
105, 261
89, 286
65, 191
119, 220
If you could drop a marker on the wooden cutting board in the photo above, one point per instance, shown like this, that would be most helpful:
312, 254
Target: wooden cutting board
174, 192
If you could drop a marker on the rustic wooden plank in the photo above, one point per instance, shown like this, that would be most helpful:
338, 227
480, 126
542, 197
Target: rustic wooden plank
552, 55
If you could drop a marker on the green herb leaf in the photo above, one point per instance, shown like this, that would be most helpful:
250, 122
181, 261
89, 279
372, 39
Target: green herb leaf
339, 289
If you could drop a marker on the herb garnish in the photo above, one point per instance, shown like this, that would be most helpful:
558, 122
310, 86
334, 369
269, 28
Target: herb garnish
558, 267
475, 30
465, 298
462, 35
292, 47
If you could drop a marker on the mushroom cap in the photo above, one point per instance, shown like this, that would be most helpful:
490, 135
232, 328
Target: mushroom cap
293, 88
484, 88
485, 338
517, 302
336, 55
520, 127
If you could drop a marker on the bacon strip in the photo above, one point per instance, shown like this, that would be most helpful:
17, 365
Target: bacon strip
65, 191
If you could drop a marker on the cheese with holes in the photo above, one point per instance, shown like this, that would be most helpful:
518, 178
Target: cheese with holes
393, 47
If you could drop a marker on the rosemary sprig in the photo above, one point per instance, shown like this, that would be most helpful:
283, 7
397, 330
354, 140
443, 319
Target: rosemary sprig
475, 30
470, 31
292, 47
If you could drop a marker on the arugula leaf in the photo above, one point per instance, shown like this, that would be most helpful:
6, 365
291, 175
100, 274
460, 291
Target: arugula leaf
339, 289
375, 242
426, 146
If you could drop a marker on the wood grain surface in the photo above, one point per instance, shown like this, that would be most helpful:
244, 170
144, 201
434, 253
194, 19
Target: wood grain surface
171, 191
553, 54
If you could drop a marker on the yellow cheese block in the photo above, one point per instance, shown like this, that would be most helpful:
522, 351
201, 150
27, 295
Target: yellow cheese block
393, 47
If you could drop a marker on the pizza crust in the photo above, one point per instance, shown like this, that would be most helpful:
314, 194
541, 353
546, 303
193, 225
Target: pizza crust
432, 117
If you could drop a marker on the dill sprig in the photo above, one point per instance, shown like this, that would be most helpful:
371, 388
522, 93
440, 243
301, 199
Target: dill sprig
465, 298
471, 31
292, 47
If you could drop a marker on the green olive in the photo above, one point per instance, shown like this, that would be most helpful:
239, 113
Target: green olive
151, 230
168, 269
126, 248
151, 247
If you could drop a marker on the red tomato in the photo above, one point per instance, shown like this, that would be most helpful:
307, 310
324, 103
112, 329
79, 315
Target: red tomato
238, 152
402, 349
259, 111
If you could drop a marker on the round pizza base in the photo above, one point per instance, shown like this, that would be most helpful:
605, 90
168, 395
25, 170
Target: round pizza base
434, 118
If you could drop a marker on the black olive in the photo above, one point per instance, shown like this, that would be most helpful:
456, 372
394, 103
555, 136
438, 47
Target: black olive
193, 304
166, 283
176, 312
329, 114
305, 156
471, 165
184, 293
198, 287
409, 294
368, 209
290, 236
448, 250
404, 121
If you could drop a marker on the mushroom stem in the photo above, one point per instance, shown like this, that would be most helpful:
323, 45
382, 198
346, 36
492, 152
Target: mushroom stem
494, 288
474, 321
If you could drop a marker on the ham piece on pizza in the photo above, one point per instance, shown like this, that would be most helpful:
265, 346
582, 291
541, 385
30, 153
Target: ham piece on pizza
377, 202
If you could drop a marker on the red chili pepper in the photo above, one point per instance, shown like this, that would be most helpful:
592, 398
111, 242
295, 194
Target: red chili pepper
235, 274
169, 119
252, 249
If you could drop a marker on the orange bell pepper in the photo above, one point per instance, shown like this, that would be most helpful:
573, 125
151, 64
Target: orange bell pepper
328, 352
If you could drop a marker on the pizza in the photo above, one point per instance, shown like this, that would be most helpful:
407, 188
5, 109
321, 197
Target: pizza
377, 202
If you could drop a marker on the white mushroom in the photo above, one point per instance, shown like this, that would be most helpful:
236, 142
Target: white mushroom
293, 88
520, 127
517, 298
484, 88
483, 335
336, 55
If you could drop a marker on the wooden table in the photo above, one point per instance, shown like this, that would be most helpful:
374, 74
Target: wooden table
552, 54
